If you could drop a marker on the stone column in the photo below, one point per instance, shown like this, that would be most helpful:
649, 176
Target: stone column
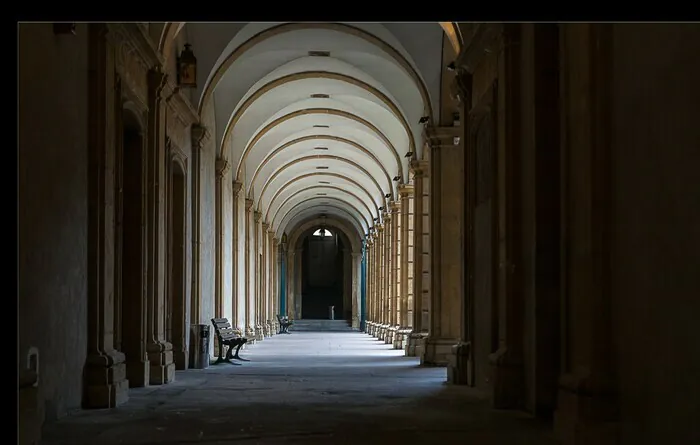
160, 353
199, 137
381, 267
356, 258
270, 282
221, 168
421, 264
105, 372
297, 281
387, 285
395, 209
368, 281
238, 309
446, 241
291, 287
249, 268
461, 368
264, 275
257, 276
406, 263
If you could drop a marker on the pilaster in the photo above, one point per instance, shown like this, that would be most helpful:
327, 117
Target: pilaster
446, 243
238, 306
249, 270
421, 264
221, 168
406, 262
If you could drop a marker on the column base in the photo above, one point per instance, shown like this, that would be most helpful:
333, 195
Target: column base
389, 335
508, 380
138, 373
460, 370
250, 335
437, 351
414, 346
31, 415
355, 324
106, 385
259, 333
586, 412
162, 369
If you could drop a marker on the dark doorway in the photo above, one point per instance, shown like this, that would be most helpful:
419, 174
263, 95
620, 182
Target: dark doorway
322, 275
129, 310
176, 321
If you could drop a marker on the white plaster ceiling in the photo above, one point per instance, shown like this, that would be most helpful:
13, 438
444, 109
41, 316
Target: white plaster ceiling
380, 79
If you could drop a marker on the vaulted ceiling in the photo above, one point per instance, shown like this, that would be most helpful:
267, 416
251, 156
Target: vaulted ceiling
319, 118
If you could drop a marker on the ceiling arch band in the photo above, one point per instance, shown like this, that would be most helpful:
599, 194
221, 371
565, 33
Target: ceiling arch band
329, 111
316, 137
295, 233
312, 158
289, 27
331, 174
315, 187
315, 75
331, 205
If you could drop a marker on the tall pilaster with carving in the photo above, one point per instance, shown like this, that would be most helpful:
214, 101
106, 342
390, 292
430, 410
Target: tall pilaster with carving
446, 243
264, 277
105, 371
160, 354
238, 304
249, 271
221, 168
257, 275
200, 136
381, 268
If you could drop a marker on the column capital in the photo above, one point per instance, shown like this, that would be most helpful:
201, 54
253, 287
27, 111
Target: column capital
406, 190
275, 240
256, 216
221, 165
237, 186
442, 137
156, 81
420, 168
271, 231
380, 227
265, 226
394, 207
248, 204
199, 135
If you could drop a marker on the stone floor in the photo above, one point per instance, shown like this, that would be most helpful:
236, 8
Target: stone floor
304, 388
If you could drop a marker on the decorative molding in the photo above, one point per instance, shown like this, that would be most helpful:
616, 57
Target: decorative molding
439, 137
248, 204
394, 207
222, 166
237, 186
406, 189
256, 216
420, 168
200, 136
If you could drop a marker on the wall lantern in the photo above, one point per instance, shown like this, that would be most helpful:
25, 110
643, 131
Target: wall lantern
187, 68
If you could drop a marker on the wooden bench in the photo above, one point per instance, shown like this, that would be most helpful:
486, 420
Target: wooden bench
285, 323
230, 337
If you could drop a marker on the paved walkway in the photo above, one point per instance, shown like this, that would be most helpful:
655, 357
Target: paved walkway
304, 388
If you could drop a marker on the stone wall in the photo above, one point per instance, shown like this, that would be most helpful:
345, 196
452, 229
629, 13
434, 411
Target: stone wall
53, 210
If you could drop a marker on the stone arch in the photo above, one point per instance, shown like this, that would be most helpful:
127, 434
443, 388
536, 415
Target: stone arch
296, 232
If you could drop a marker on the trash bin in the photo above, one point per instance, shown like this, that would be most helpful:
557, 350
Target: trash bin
331, 312
199, 346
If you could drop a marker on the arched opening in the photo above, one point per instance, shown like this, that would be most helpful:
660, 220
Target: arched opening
323, 277
176, 323
129, 300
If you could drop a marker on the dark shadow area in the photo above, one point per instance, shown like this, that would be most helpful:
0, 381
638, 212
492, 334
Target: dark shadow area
322, 275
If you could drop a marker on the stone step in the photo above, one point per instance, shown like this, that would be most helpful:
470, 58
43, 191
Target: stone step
321, 326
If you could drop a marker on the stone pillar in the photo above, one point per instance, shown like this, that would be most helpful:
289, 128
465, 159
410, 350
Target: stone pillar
249, 269
297, 281
587, 402
356, 261
406, 262
368, 280
461, 368
395, 209
291, 287
421, 264
387, 284
105, 372
238, 309
160, 353
221, 168
446, 241
381, 268
199, 137
264, 275
257, 276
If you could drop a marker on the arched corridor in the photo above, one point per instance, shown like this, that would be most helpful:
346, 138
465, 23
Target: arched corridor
508, 208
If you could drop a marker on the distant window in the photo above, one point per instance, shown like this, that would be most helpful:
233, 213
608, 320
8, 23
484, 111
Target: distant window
322, 232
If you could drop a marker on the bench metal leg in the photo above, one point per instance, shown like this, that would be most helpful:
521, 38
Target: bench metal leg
237, 357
